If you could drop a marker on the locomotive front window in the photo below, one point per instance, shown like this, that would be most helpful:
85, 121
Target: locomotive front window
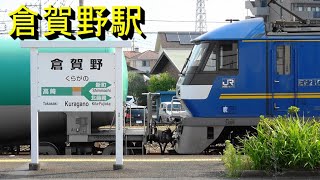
196, 55
211, 64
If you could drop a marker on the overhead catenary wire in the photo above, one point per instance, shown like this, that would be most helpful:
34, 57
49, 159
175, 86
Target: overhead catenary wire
64, 2
182, 21
169, 21
277, 13
160, 21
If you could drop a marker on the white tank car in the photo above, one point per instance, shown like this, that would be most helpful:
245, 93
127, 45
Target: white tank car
15, 98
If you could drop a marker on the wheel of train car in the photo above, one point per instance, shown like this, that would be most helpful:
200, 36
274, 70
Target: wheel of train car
111, 150
47, 148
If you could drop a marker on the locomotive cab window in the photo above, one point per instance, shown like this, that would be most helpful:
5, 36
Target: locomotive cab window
229, 55
223, 56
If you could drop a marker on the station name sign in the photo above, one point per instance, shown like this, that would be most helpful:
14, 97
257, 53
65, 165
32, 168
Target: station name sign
76, 82
92, 21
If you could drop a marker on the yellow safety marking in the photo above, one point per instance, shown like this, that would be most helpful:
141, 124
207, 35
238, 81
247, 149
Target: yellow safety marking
244, 97
281, 40
269, 96
109, 160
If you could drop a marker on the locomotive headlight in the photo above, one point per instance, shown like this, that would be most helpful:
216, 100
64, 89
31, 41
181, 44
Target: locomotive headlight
179, 83
178, 91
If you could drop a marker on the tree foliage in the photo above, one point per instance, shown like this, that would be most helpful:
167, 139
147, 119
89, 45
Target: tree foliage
161, 82
137, 86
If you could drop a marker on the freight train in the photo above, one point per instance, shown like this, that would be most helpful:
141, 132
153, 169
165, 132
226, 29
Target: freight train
233, 75
240, 71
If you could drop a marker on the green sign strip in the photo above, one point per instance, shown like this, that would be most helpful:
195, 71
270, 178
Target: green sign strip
56, 91
91, 85
97, 97
85, 91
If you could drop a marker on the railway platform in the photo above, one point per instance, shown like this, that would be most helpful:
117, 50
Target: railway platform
135, 167
151, 166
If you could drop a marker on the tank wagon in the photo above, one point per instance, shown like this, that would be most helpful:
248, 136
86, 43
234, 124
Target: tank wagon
15, 101
238, 72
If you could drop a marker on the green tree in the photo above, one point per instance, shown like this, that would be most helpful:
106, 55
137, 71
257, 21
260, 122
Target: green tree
136, 87
161, 82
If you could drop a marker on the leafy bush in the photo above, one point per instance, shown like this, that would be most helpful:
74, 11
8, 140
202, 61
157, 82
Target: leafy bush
234, 162
161, 82
284, 142
136, 87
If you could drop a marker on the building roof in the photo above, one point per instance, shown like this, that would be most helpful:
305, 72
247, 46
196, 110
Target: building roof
132, 69
146, 55
175, 40
130, 54
176, 57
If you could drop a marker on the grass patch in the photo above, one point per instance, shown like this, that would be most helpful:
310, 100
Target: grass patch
281, 143
234, 162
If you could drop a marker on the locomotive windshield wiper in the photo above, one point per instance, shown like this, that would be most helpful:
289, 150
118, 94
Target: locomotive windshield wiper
187, 61
185, 64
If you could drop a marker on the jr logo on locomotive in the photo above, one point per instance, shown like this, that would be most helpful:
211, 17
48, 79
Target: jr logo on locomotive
76, 82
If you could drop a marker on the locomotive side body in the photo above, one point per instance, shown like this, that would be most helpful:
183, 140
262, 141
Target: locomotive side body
239, 73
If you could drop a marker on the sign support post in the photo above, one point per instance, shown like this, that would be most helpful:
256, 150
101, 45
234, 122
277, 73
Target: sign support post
119, 115
34, 165
36, 95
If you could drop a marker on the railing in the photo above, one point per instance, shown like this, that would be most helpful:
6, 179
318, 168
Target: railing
129, 107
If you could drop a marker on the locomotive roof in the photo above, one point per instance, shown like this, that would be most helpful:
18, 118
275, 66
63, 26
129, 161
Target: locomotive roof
252, 29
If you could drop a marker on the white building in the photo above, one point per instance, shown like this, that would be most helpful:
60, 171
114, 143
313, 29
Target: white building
142, 61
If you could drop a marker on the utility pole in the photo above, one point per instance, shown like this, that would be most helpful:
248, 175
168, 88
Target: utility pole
201, 17
81, 2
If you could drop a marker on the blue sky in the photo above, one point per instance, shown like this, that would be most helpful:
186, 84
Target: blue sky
157, 13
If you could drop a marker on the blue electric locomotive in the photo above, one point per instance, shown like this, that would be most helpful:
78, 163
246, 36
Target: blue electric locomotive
238, 72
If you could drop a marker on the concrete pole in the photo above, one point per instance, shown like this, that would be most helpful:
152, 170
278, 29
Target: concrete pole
119, 111
34, 165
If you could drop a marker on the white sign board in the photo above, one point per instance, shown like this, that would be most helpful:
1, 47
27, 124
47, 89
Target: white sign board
76, 82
